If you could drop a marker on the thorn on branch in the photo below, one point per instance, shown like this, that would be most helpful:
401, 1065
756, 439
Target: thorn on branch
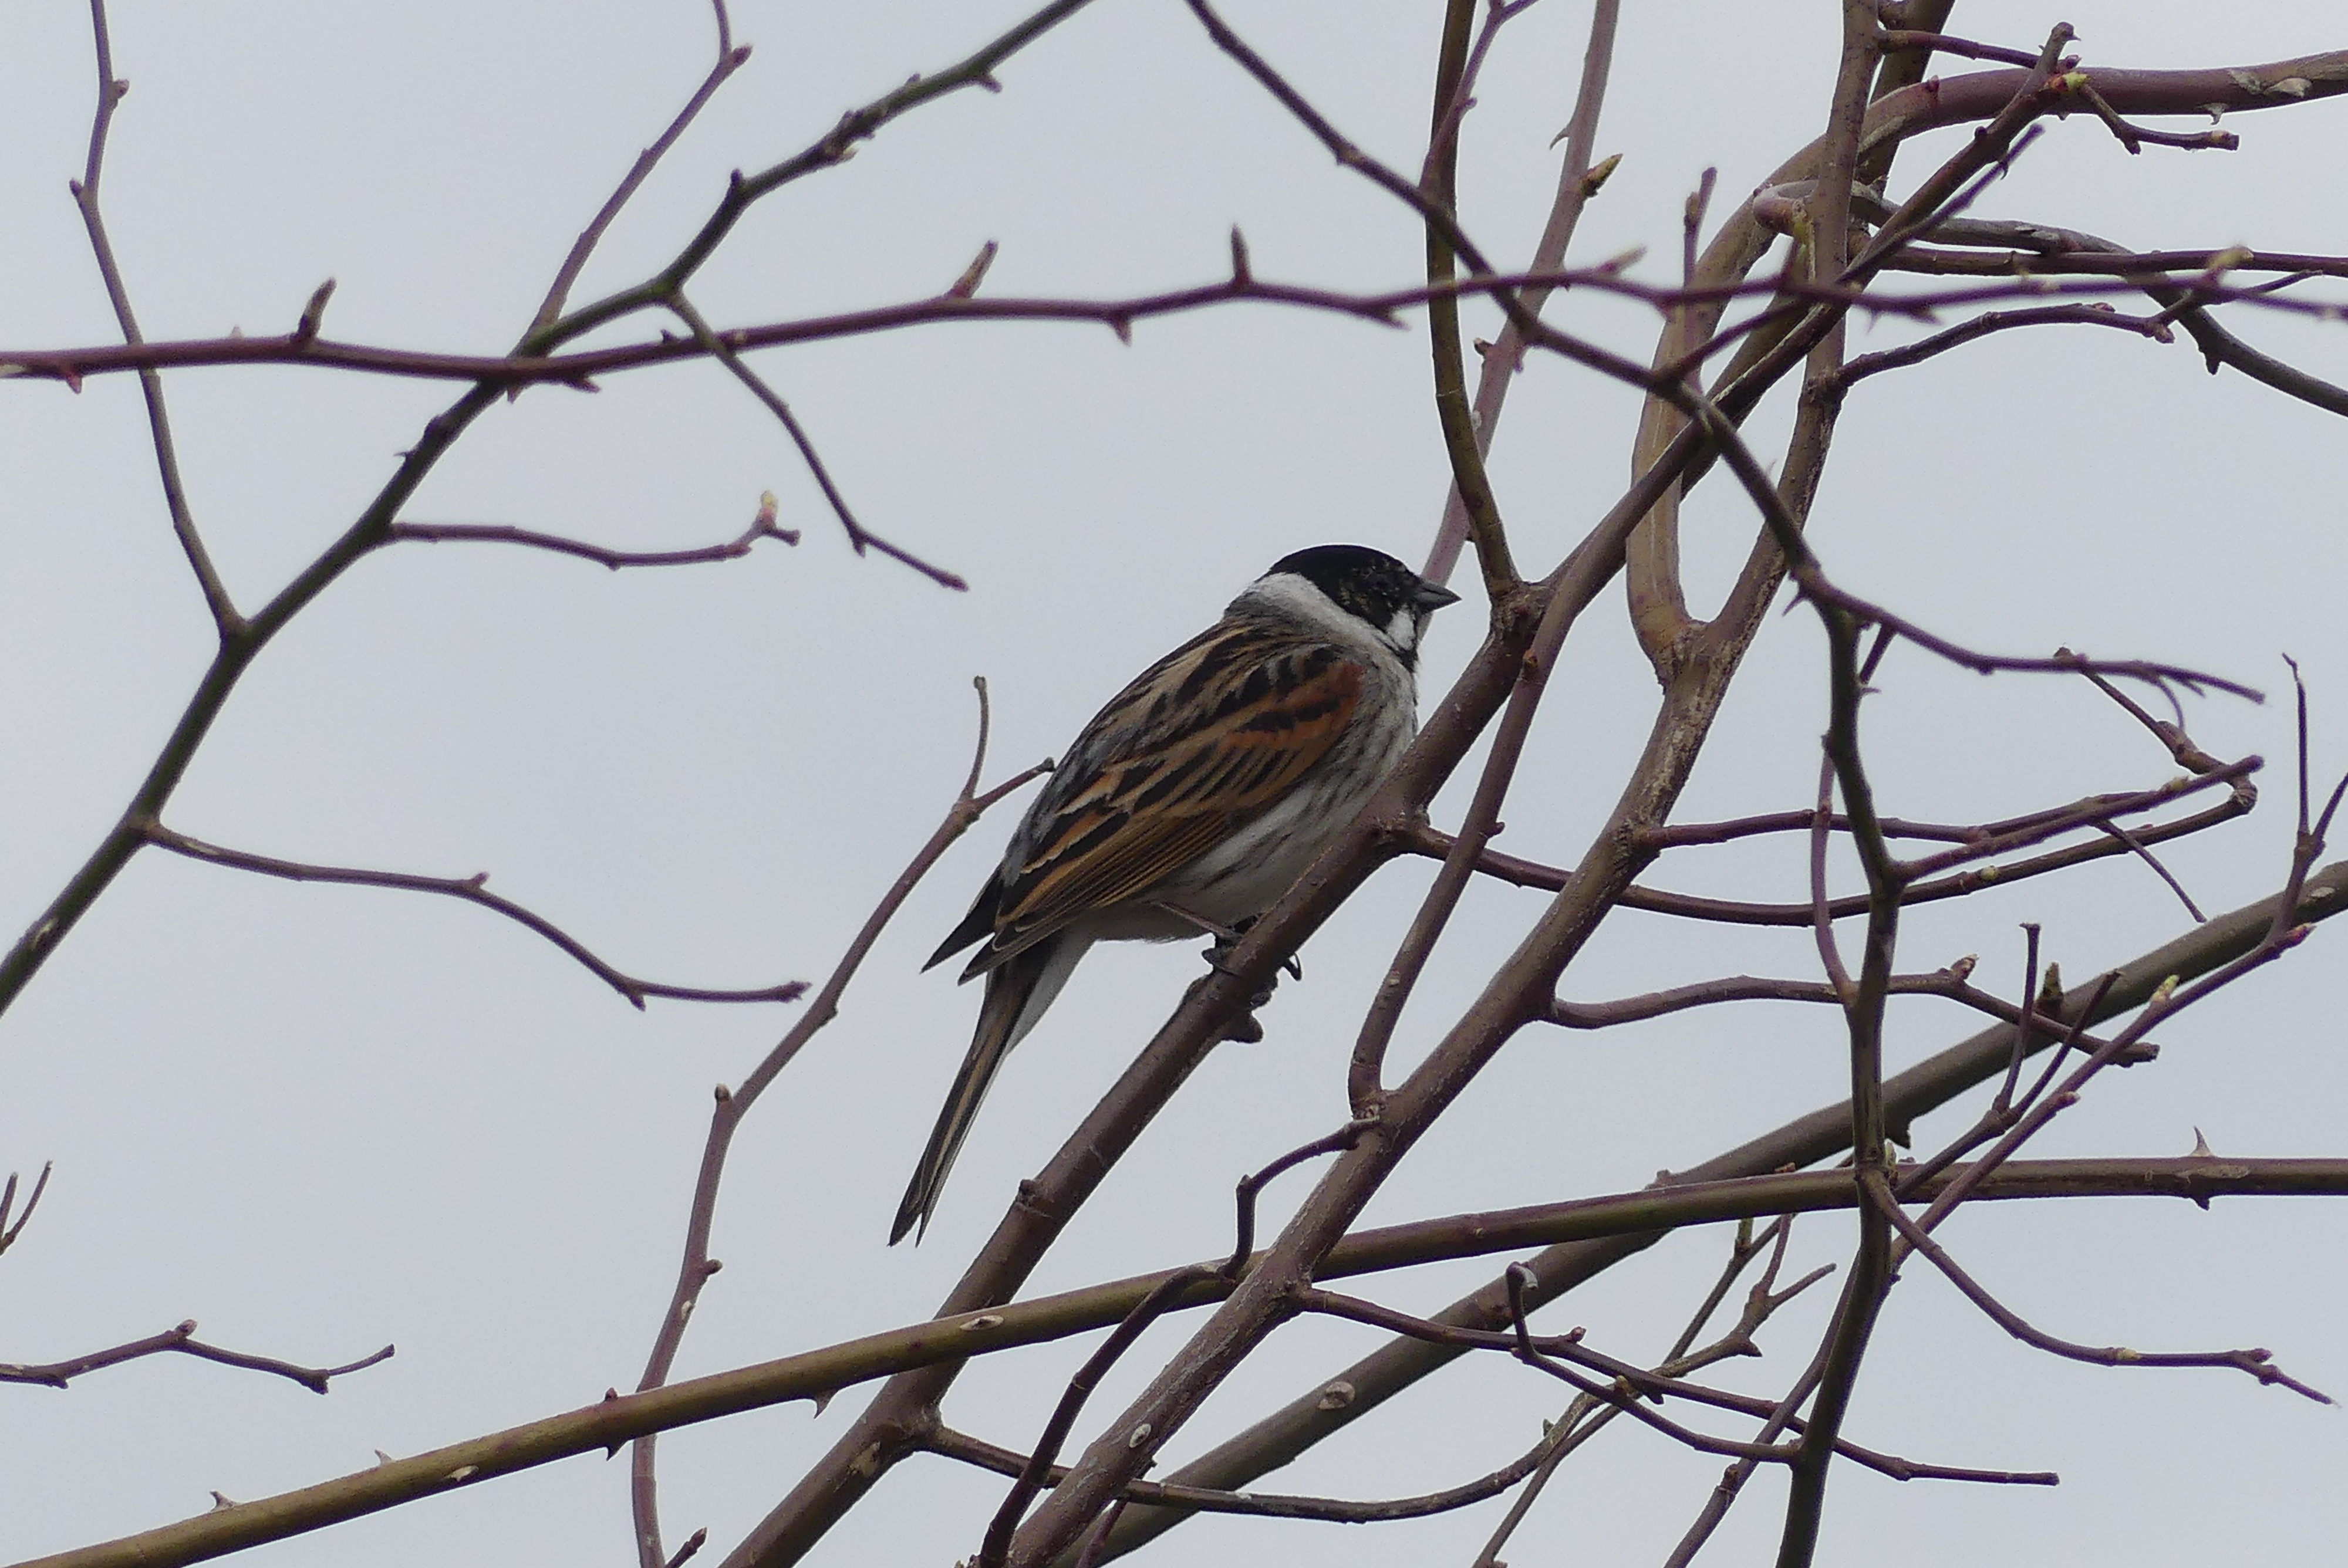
967, 286
305, 330
1242, 277
1699, 201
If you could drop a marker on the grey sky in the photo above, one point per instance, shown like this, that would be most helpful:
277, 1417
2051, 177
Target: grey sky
321, 1119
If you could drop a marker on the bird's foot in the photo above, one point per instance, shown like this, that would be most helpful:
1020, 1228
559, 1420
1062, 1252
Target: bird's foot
1227, 937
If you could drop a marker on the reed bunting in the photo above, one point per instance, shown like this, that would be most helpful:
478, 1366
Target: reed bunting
1194, 799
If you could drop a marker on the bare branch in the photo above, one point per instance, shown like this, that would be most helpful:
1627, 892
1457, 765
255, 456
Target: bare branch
472, 890
181, 1341
609, 1422
242, 643
2093, 315
694, 1271
860, 537
9, 1233
1368, 1382
763, 527
226, 618
2259, 1364
1578, 181
729, 60
2134, 137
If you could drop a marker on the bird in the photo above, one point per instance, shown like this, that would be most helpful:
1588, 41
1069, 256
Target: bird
1193, 800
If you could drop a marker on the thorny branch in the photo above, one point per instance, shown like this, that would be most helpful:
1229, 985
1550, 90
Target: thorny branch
1518, 656
581, 369
181, 1341
242, 641
612, 1421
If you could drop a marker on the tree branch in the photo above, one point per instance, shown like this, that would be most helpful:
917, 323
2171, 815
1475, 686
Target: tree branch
694, 1271
226, 618
472, 890
181, 1341
762, 527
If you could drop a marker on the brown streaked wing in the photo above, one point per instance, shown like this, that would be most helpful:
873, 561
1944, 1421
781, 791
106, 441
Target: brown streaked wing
1264, 713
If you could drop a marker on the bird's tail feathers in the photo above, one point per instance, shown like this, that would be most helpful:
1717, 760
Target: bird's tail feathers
1018, 992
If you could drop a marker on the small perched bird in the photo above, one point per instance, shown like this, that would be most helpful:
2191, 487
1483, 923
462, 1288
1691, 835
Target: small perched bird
1194, 799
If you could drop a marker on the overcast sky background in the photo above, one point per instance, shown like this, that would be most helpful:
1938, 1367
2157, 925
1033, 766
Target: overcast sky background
319, 1119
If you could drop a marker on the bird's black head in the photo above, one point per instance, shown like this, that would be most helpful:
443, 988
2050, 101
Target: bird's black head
1373, 586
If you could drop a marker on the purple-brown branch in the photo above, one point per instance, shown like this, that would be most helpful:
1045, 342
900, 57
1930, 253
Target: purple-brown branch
242, 641
697, 1267
226, 618
607, 1423
761, 528
729, 60
181, 1341
471, 889
2258, 1363
10, 1231
582, 368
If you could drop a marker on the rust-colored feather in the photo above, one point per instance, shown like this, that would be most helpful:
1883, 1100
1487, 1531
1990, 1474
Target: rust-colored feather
1190, 752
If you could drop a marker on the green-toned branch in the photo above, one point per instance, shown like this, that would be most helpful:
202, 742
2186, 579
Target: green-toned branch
602, 1426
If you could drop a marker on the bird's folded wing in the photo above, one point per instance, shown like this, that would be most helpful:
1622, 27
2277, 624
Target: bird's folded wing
1186, 755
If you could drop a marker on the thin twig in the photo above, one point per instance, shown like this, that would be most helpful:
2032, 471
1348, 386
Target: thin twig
226, 618
763, 527
8, 1232
2258, 1363
582, 368
1585, 1417
1464, 444
1433, 844
472, 890
961, 1445
181, 1340
2093, 315
994, 1550
729, 60
2134, 137
1244, 1243
1575, 187
697, 1267
860, 537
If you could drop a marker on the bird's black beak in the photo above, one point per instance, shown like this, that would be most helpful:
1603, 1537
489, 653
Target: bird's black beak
1431, 596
